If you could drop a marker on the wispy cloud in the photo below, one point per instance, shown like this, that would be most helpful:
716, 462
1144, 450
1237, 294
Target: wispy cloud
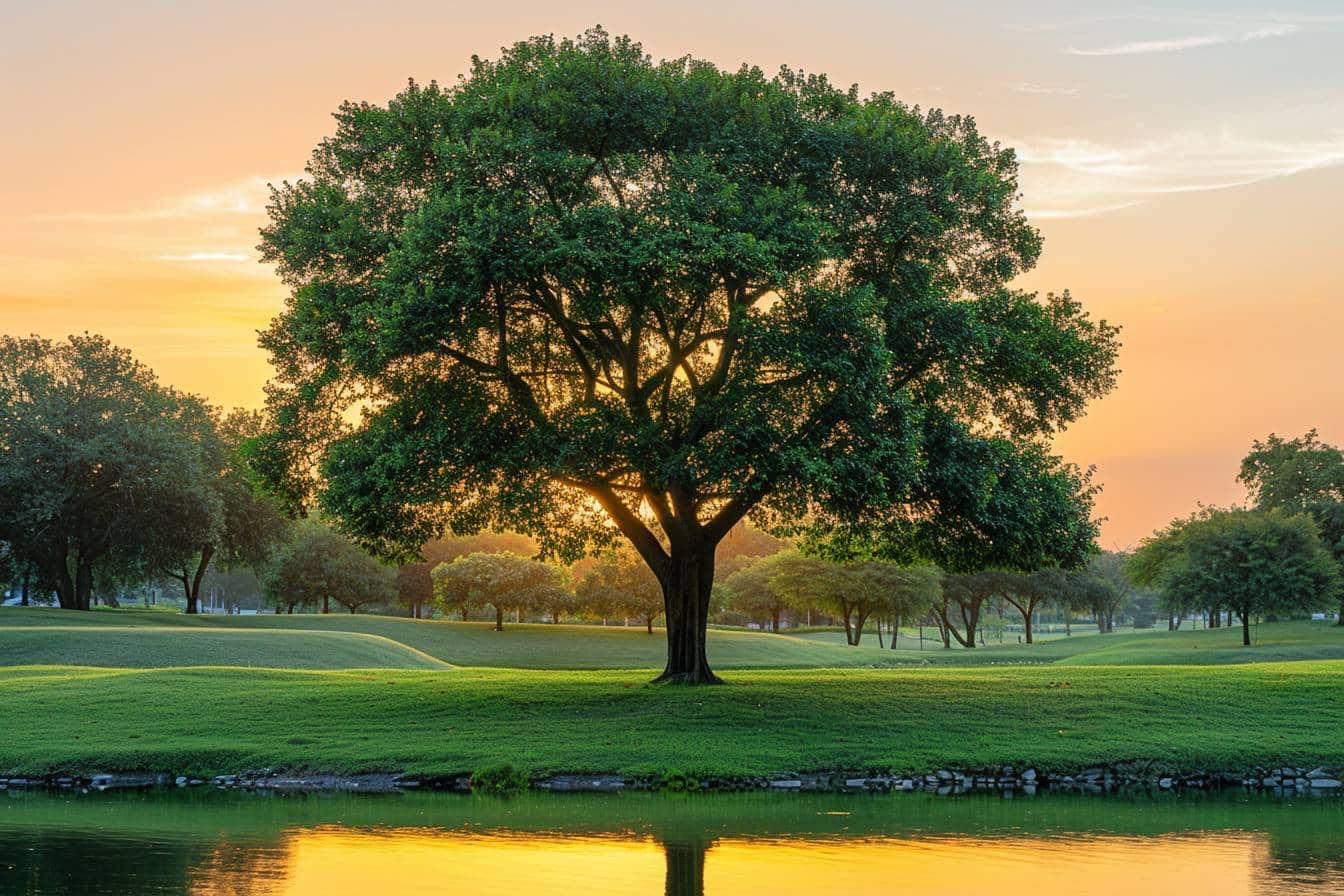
1043, 89
1076, 178
1175, 44
246, 196
205, 256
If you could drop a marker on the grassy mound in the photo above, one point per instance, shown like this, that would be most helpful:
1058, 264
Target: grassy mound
73, 639
161, 646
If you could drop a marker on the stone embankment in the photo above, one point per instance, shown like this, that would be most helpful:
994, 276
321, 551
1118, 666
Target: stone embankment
1283, 780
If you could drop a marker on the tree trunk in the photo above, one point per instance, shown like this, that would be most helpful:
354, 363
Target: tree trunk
648, 622
1245, 628
23, 596
193, 586
896, 632
499, 619
774, 621
685, 869
1026, 623
880, 645
83, 583
860, 621
687, 579
326, 604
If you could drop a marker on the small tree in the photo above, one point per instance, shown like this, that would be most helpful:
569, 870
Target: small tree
963, 600
754, 592
620, 585
905, 592
504, 581
1302, 475
1251, 562
242, 526
415, 588
1025, 591
320, 565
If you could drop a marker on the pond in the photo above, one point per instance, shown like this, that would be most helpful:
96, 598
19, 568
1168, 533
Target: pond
216, 843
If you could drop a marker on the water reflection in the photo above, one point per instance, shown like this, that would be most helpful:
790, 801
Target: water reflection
240, 845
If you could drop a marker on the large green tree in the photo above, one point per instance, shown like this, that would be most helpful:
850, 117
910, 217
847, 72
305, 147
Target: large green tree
582, 293
1252, 562
98, 473
1301, 475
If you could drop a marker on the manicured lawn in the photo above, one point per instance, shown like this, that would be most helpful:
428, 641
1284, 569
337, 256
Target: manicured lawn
159, 646
469, 644
109, 638
205, 720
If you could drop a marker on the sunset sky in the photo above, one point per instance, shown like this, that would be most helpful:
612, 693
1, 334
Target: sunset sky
1186, 168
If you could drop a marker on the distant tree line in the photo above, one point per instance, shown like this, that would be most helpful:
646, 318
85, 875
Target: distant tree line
1280, 557
108, 478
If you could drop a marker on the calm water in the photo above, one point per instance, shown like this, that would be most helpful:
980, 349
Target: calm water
228, 844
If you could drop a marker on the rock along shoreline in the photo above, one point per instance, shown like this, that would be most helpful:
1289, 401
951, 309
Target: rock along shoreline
1285, 780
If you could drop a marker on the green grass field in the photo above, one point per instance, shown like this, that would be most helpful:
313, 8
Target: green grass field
145, 690
145, 646
206, 720
149, 638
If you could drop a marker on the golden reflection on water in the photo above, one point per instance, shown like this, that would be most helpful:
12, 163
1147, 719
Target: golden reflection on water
338, 861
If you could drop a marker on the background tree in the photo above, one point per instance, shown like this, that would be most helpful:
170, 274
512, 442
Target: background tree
904, 593
505, 581
241, 526
1302, 475
579, 283
95, 464
743, 545
752, 591
803, 580
963, 600
1252, 562
415, 588
320, 565
457, 588
1026, 591
1111, 587
851, 591
619, 585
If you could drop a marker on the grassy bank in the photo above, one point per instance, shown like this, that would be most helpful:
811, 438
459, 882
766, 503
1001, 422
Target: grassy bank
210, 720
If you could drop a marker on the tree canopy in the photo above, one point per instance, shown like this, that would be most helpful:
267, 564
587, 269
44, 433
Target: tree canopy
579, 285
320, 565
99, 473
620, 584
1249, 561
1301, 475
504, 580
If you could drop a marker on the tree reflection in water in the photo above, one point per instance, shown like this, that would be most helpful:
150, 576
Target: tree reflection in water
219, 844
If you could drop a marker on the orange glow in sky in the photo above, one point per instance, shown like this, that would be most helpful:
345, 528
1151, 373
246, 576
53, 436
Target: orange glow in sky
1186, 170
